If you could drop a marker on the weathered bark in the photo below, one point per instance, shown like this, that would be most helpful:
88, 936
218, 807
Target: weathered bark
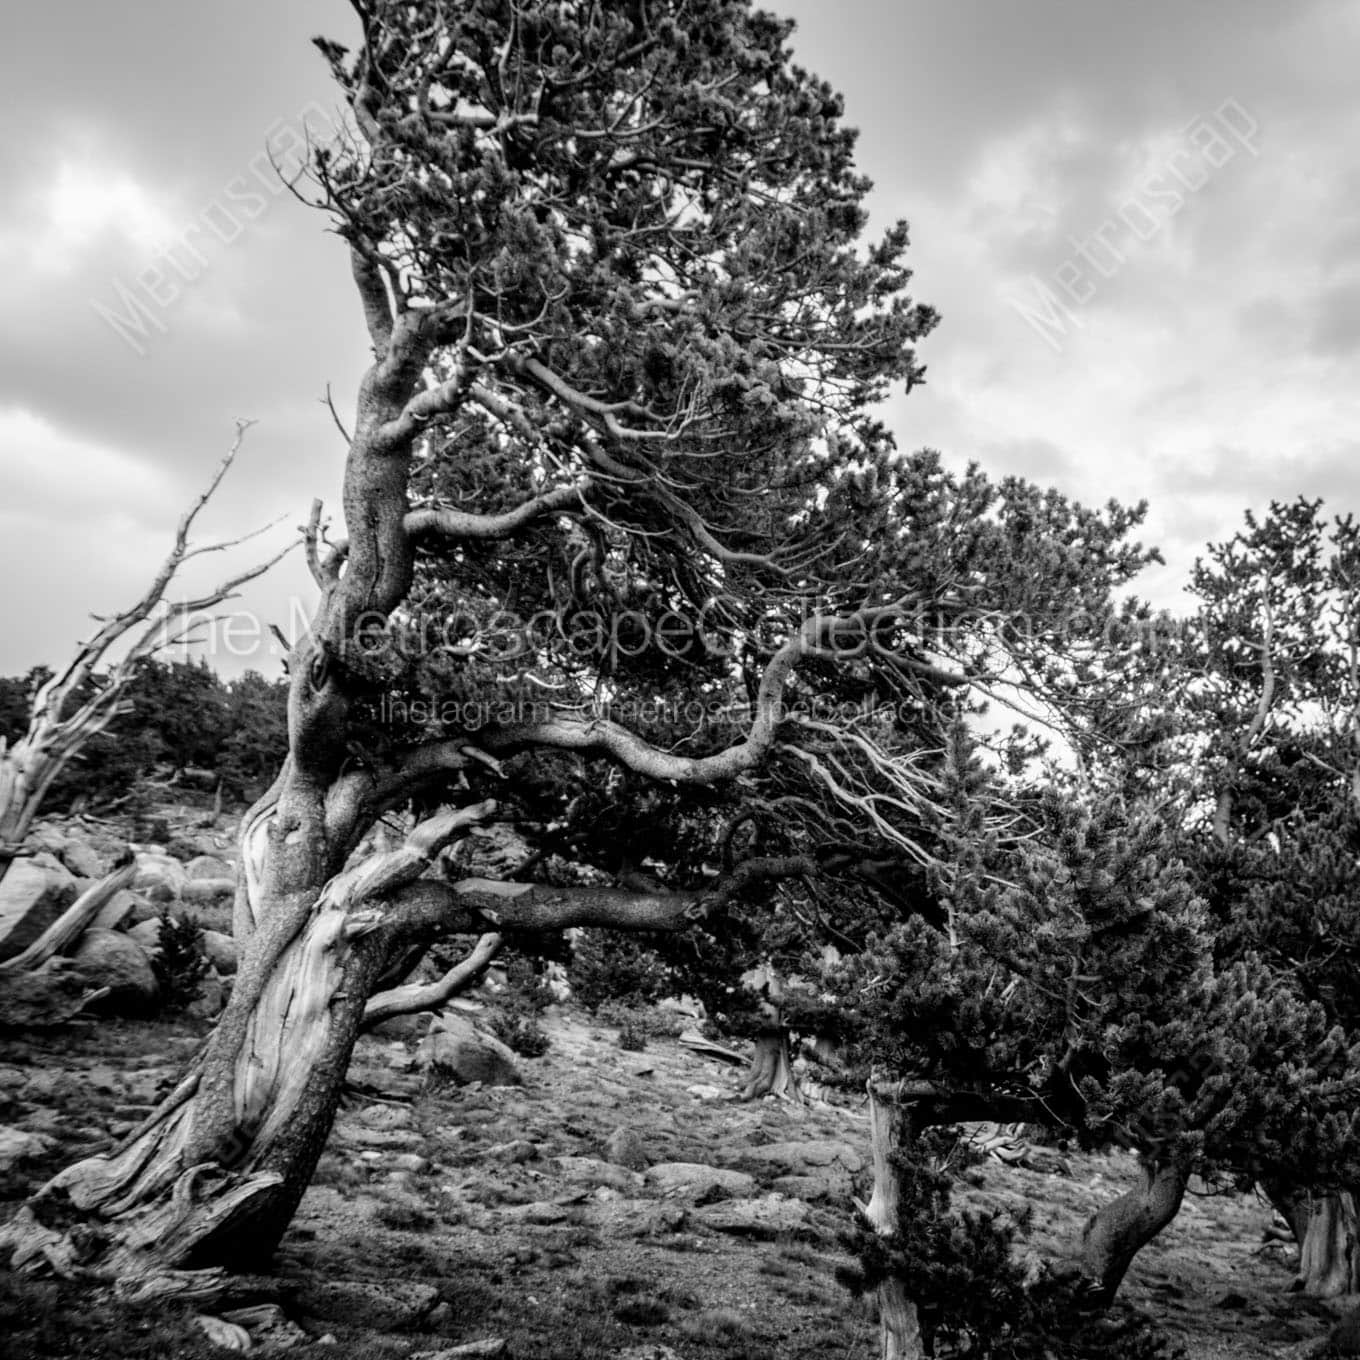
1329, 1264
1118, 1231
899, 1327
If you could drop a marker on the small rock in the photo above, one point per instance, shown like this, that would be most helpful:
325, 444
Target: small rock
12, 1079
208, 891
703, 1091
516, 1151
18, 1146
648, 1350
625, 1148
801, 1159
540, 1212
411, 1162
379, 1116
695, 1183
81, 860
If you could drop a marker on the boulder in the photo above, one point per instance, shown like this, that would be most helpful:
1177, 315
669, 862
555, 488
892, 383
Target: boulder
147, 935
456, 1050
116, 961
160, 877
33, 893
38, 997
591, 1172
121, 910
212, 996
763, 1220
811, 1158
18, 1146
209, 867
220, 950
82, 860
208, 891
625, 1148
695, 1183
385, 1305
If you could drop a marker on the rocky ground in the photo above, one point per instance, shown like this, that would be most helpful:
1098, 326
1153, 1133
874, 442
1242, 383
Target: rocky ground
595, 1202
612, 1204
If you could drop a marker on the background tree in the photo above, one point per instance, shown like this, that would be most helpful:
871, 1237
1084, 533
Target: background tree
72, 706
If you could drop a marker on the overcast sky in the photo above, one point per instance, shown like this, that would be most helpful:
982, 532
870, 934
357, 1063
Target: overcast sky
1140, 222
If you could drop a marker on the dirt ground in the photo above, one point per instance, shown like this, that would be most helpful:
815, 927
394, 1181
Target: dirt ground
449, 1215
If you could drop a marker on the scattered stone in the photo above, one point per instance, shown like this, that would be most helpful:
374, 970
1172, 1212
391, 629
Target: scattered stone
410, 1162
386, 1305
11, 1079
209, 866
211, 998
703, 1091
380, 1116
146, 935
220, 951
695, 1183
539, 1212
802, 1159
625, 1148
517, 1151
18, 1146
109, 959
648, 1350
813, 1189
33, 893
457, 1050
761, 1219
636, 1217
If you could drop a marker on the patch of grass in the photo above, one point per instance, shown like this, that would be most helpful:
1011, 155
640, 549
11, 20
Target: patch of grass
50, 1320
723, 1325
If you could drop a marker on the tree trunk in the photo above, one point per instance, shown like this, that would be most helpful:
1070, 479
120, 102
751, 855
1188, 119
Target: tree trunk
899, 1328
771, 1072
1116, 1233
24, 779
1329, 1265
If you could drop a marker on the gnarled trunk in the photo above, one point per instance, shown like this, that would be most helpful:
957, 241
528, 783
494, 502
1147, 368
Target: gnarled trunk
1329, 1264
24, 780
1118, 1231
899, 1327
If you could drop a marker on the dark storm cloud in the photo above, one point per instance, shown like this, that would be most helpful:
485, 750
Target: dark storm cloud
1198, 358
